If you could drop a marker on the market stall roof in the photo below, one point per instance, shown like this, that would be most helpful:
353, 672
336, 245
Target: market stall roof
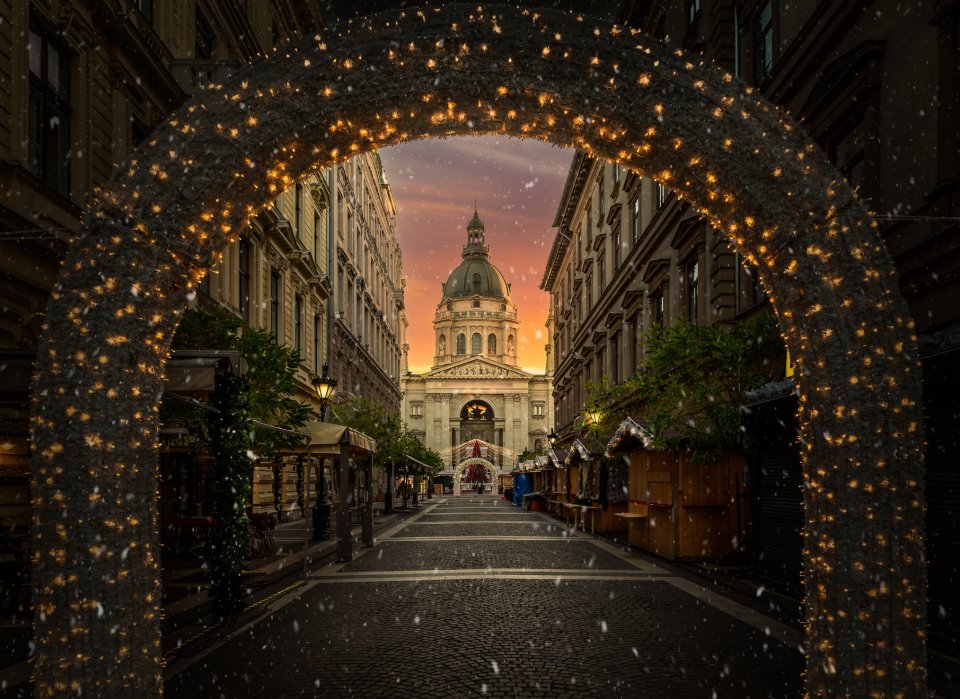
631, 435
558, 457
584, 451
326, 439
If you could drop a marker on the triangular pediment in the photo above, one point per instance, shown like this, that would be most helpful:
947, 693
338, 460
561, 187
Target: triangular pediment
477, 368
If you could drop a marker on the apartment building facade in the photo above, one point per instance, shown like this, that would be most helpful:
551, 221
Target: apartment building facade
876, 85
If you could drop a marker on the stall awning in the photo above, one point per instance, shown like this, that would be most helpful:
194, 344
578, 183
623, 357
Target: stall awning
630, 436
419, 463
326, 439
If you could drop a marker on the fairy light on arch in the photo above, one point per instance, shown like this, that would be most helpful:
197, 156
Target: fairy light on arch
166, 216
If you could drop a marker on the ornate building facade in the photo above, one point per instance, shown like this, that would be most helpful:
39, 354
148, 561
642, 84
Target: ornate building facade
368, 324
475, 390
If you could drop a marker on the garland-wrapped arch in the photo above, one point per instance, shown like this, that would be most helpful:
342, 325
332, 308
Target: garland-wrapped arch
165, 217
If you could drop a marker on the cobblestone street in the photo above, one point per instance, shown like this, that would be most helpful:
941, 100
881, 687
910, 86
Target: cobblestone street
473, 597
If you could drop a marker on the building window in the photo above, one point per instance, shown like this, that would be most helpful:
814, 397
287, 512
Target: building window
476, 282
601, 204
298, 322
146, 8
275, 304
615, 359
661, 195
49, 115
658, 306
601, 273
749, 291
491, 344
763, 43
590, 223
244, 278
635, 219
297, 213
693, 11
849, 156
617, 250
416, 409
538, 409
461, 344
476, 304
693, 288
617, 172
205, 38
589, 295
316, 344
476, 344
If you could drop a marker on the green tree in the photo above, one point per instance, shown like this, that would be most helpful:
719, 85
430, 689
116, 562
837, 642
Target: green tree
691, 386
271, 368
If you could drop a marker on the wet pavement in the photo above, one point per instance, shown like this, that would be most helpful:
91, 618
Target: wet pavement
474, 597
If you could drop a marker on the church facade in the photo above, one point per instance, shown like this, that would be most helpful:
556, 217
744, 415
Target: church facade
475, 392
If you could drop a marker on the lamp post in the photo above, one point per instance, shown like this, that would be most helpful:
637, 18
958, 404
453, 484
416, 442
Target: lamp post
552, 438
325, 388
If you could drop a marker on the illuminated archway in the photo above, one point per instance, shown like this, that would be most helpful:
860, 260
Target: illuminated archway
159, 224
466, 463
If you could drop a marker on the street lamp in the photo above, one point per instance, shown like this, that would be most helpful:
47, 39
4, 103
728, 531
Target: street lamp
593, 416
325, 388
552, 438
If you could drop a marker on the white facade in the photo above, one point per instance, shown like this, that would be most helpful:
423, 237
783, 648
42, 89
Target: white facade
475, 390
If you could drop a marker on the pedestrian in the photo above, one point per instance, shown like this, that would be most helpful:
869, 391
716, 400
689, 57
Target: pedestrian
479, 488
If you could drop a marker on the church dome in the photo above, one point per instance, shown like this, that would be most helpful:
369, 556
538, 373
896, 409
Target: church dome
475, 276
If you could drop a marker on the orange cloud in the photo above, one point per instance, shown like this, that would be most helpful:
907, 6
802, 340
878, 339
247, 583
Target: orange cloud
517, 185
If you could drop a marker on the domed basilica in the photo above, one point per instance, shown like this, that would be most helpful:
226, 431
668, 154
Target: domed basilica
475, 394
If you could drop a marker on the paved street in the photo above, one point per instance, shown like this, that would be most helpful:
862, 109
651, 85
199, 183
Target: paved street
473, 597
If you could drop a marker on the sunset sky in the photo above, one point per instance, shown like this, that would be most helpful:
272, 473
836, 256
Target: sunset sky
517, 185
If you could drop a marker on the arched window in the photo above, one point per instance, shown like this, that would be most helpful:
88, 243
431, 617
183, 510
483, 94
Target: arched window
461, 344
492, 344
476, 281
476, 343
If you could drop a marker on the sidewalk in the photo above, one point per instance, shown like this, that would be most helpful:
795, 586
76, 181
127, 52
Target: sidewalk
187, 609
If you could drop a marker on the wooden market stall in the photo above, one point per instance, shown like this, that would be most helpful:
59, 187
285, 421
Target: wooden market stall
676, 508
599, 495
